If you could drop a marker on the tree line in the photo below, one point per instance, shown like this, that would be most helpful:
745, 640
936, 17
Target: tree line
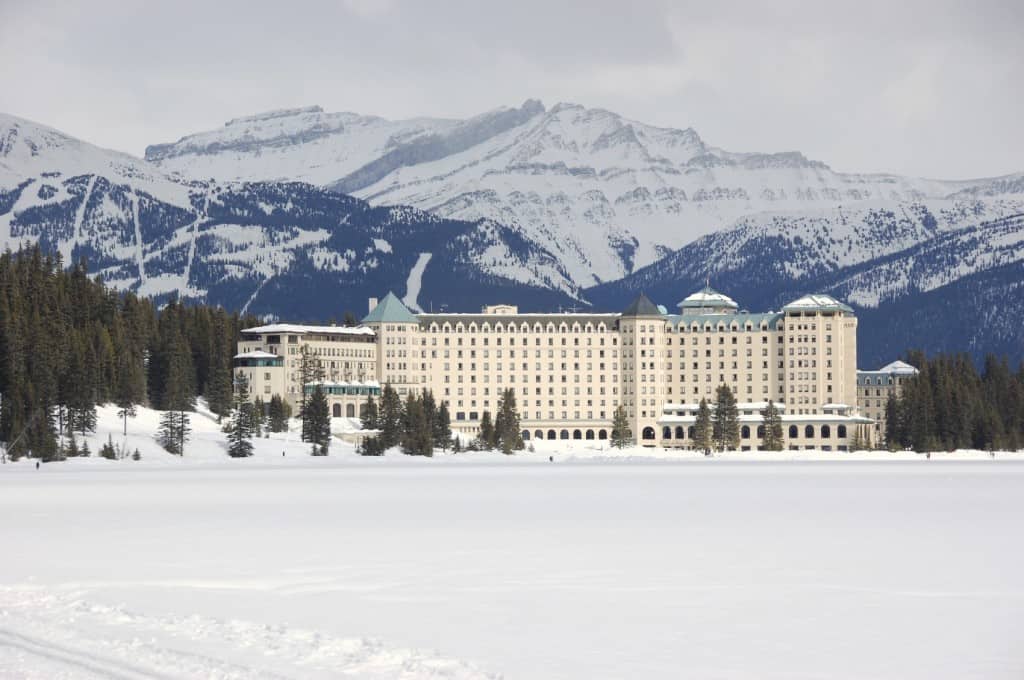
68, 342
419, 425
950, 405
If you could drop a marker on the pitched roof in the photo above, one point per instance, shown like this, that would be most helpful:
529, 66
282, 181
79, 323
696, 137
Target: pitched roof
642, 306
816, 302
898, 367
390, 310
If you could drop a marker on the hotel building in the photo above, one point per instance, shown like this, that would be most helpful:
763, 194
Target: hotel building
874, 389
571, 371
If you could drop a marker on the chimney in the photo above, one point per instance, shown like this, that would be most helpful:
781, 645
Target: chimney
373, 304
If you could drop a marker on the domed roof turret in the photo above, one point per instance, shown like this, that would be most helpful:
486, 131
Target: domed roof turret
708, 301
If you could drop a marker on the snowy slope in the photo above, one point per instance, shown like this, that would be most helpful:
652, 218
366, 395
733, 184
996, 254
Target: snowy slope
607, 195
896, 264
263, 247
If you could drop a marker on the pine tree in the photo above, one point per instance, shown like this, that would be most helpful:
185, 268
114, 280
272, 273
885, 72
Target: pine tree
702, 428
621, 435
311, 371
125, 392
485, 440
508, 435
219, 381
319, 419
416, 439
442, 427
773, 440
893, 425
370, 418
725, 420
391, 417
108, 450
240, 428
277, 417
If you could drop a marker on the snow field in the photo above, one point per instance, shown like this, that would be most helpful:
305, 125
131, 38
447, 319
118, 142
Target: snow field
484, 566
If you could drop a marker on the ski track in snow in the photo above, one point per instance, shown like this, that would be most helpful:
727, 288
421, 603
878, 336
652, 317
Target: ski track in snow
245, 307
79, 218
194, 228
139, 253
415, 282
44, 631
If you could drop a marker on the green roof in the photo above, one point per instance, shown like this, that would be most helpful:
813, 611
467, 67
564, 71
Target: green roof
741, 319
390, 310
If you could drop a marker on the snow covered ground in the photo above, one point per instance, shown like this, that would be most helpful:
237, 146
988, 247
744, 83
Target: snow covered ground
595, 566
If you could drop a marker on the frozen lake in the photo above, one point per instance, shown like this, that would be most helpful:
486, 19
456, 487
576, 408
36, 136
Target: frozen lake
454, 568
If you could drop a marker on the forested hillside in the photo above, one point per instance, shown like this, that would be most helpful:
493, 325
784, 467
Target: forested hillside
68, 343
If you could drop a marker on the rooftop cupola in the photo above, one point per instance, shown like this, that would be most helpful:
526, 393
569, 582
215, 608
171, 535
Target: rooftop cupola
708, 301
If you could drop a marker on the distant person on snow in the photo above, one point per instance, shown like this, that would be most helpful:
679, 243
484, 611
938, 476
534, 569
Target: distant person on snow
551, 459
37, 464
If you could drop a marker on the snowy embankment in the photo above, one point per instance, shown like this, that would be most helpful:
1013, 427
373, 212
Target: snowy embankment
208, 446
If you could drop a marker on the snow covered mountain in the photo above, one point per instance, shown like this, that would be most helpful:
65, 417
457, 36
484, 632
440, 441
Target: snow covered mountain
534, 206
607, 195
266, 247
941, 275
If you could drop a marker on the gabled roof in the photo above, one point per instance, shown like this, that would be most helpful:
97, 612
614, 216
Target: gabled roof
390, 310
898, 367
817, 302
641, 306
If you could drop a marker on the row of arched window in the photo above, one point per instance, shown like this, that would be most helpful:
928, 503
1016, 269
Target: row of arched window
566, 434
794, 431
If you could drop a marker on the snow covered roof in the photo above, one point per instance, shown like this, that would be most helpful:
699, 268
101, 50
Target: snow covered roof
707, 298
299, 329
257, 354
816, 302
899, 367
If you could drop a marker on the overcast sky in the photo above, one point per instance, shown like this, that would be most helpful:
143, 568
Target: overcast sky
932, 88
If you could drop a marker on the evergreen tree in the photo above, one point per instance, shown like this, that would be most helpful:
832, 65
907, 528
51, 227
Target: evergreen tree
442, 427
108, 450
893, 425
725, 420
125, 392
310, 371
391, 417
319, 418
621, 435
370, 419
416, 437
702, 428
485, 440
773, 440
240, 428
219, 381
277, 416
507, 434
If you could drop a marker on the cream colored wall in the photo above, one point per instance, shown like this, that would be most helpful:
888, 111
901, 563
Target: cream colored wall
580, 389
346, 359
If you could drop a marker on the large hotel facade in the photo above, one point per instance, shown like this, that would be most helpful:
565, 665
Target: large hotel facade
570, 371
